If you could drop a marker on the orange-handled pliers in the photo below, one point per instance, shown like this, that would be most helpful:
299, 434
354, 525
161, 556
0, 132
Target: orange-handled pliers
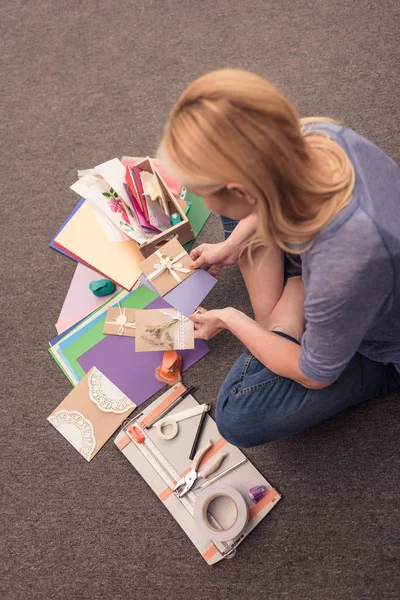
186, 482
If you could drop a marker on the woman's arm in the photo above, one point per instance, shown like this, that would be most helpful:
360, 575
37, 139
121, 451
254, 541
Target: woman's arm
277, 353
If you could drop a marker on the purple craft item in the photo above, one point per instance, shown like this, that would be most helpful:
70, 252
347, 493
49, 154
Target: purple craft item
257, 492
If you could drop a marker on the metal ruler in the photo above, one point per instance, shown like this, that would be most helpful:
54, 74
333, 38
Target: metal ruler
169, 475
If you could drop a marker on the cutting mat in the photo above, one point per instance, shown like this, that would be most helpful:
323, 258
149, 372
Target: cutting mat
176, 455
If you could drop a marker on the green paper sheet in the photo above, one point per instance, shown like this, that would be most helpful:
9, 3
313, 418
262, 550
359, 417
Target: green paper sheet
197, 215
82, 338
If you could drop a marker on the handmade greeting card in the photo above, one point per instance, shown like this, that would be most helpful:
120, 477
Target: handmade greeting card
137, 184
157, 206
91, 413
137, 206
120, 321
167, 267
106, 199
113, 172
163, 329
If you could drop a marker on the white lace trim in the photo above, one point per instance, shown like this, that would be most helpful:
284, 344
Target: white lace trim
106, 395
76, 429
180, 331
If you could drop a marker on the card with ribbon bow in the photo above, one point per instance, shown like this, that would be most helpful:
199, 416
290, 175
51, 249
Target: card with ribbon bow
120, 321
167, 267
163, 329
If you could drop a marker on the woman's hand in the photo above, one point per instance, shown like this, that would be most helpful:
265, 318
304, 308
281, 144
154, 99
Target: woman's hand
216, 256
225, 253
207, 323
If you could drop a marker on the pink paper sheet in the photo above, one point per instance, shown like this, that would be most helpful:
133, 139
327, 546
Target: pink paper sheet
79, 301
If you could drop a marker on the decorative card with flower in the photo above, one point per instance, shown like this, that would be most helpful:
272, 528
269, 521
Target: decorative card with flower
163, 329
103, 197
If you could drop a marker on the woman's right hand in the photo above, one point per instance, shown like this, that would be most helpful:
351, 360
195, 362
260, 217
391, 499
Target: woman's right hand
212, 257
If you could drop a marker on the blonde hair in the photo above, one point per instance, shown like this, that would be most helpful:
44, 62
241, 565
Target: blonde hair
235, 126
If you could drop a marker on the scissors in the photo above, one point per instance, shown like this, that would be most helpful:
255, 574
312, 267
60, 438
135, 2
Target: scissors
172, 421
185, 484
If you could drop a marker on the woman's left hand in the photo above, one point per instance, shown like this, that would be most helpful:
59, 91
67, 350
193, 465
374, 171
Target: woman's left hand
207, 323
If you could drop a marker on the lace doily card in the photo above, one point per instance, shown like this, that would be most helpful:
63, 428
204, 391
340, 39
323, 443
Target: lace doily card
167, 267
163, 329
120, 321
91, 413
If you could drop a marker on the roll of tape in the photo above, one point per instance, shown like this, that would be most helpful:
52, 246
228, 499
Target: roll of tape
202, 519
165, 423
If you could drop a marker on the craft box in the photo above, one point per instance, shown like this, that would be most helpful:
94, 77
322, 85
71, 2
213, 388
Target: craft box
183, 230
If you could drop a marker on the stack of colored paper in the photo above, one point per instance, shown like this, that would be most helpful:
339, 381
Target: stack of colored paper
85, 346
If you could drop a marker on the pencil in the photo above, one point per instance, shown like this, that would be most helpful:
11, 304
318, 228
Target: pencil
197, 436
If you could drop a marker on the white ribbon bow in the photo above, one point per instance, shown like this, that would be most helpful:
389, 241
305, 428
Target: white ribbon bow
122, 321
180, 320
167, 263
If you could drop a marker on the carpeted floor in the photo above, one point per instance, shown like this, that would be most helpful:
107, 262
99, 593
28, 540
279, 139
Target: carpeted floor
82, 82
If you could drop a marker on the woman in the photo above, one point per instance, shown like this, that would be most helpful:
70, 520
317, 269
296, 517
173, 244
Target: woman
327, 339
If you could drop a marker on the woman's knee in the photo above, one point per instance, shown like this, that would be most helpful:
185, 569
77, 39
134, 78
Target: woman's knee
254, 403
244, 428
232, 431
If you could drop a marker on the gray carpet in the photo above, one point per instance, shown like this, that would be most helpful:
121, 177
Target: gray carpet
82, 82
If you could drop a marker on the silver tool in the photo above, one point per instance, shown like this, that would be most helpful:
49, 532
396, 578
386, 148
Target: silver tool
216, 477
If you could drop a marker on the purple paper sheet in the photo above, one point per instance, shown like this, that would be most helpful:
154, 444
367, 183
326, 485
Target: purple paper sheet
189, 294
133, 372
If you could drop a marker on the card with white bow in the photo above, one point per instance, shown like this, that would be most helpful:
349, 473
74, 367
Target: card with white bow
167, 267
91, 413
163, 329
120, 321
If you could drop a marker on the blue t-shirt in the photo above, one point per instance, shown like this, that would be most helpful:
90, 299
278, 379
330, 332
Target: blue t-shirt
352, 271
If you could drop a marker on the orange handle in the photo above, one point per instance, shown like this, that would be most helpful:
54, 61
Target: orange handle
136, 434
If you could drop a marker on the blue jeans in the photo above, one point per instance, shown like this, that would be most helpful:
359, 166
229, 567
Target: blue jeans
228, 225
256, 406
